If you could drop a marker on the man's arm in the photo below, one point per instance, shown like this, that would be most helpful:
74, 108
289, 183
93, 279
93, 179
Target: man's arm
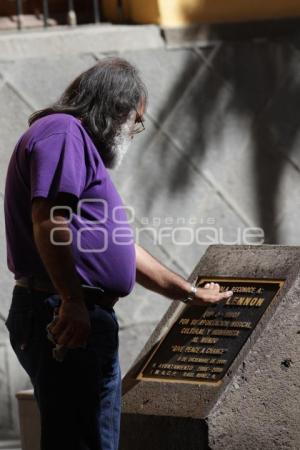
73, 325
153, 275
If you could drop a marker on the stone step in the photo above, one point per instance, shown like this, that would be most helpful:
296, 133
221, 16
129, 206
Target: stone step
64, 40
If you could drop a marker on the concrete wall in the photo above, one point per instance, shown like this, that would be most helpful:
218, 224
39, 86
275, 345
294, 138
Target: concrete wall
221, 144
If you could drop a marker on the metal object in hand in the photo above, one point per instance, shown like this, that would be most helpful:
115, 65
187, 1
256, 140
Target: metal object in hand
59, 351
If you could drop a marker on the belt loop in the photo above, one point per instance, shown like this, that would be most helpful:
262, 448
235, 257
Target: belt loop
30, 284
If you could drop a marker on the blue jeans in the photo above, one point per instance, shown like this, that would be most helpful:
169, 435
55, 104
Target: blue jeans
79, 398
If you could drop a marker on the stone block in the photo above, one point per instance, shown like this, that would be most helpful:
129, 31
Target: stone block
253, 70
255, 404
174, 201
214, 122
65, 40
51, 76
166, 73
278, 125
5, 410
13, 121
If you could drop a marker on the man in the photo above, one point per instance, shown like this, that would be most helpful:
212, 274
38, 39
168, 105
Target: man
63, 216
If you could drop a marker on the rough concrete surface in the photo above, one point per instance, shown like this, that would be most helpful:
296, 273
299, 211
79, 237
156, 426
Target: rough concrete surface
255, 406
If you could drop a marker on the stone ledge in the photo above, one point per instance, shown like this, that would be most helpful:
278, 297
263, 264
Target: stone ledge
204, 35
82, 39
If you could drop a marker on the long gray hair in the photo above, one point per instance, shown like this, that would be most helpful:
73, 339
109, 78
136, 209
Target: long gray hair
102, 97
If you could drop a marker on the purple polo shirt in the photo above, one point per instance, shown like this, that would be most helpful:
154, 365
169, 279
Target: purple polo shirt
56, 155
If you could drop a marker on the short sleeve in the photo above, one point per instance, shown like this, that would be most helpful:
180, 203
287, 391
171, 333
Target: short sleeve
57, 166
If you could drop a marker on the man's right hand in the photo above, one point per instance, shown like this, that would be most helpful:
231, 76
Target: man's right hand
210, 294
72, 327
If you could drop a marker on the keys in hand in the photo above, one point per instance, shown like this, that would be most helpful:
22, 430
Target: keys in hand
72, 326
59, 351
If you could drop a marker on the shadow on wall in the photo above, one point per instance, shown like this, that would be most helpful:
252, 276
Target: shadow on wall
243, 107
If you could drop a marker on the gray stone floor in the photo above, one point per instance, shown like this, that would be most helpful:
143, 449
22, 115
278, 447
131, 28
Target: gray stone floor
221, 146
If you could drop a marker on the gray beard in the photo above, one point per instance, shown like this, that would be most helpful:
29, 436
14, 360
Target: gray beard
122, 143
121, 148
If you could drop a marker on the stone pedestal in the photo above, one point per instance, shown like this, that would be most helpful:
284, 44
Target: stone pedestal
29, 417
256, 403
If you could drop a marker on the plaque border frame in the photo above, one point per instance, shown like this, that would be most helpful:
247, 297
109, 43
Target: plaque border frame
200, 279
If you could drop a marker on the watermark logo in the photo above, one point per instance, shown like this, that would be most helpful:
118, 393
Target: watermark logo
98, 227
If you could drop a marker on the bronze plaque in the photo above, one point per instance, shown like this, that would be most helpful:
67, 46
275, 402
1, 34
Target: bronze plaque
204, 340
